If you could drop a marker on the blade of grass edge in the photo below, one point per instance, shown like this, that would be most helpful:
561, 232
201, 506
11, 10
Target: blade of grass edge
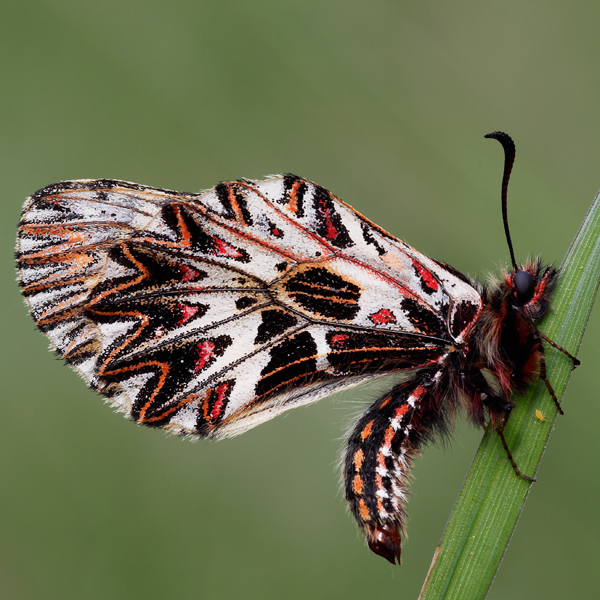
489, 505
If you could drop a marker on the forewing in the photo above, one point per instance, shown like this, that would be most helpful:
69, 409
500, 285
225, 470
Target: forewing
207, 314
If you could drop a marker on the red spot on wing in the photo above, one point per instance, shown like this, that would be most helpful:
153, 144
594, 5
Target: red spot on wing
338, 339
332, 232
225, 249
207, 350
187, 312
382, 317
188, 274
221, 391
428, 279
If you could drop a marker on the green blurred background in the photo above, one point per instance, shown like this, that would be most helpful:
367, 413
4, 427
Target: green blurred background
385, 103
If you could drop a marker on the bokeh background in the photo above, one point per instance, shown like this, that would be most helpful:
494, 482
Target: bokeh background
383, 102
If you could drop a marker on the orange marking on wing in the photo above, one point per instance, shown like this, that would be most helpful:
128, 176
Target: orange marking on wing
65, 254
286, 366
273, 391
73, 235
81, 337
164, 368
164, 371
366, 432
293, 202
372, 360
166, 413
144, 319
246, 235
144, 323
143, 274
385, 402
171, 410
186, 238
325, 248
205, 404
46, 317
384, 349
223, 248
288, 382
57, 253
235, 205
49, 315
336, 299
66, 230
67, 276
72, 238
391, 260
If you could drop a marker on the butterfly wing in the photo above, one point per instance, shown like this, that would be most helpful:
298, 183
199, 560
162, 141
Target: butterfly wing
210, 313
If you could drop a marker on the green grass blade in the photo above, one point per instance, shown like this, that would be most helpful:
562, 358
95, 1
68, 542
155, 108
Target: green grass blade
492, 498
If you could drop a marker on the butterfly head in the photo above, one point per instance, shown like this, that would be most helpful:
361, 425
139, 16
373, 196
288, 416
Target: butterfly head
531, 287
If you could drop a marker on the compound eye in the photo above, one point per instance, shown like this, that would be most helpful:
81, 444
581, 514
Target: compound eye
525, 286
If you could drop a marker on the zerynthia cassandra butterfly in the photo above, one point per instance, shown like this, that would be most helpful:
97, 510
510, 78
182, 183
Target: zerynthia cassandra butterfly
207, 314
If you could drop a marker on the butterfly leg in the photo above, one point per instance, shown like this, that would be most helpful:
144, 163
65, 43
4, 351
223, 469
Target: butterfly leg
548, 386
379, 457
500, 430
576, 361
499, 411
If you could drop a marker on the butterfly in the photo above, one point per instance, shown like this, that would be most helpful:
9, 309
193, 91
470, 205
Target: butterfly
207, 314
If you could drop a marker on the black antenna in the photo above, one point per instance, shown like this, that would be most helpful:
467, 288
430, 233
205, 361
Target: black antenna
509, 159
